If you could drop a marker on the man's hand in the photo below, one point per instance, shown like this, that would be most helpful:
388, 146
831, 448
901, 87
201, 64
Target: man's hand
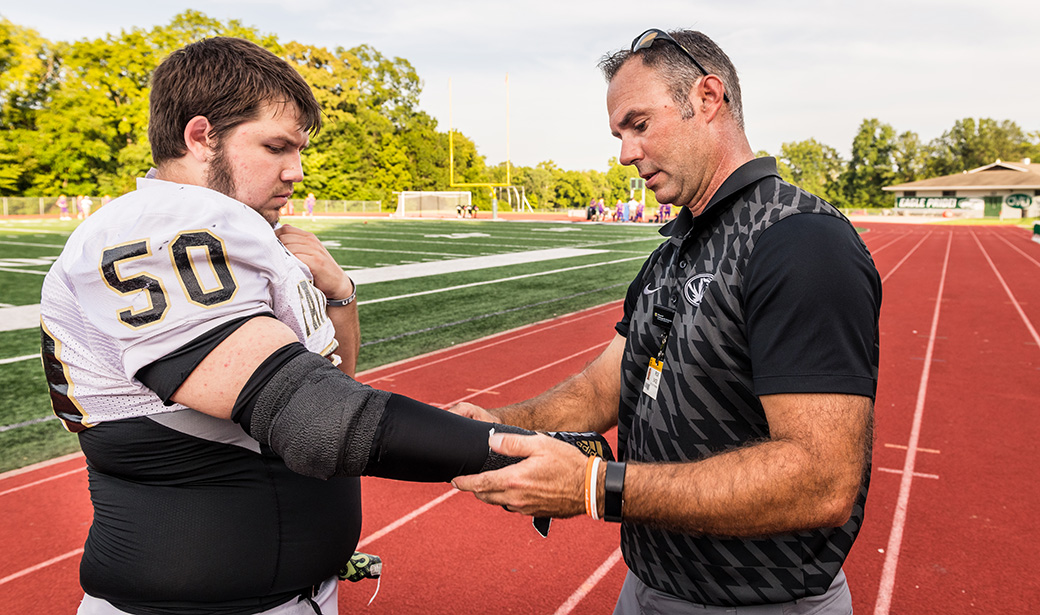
473, 411
550, 482
329, 277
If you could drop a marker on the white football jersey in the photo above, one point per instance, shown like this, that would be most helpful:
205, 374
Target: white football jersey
150, 272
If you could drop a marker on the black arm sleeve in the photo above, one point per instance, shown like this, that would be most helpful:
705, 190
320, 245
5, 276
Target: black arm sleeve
323, 423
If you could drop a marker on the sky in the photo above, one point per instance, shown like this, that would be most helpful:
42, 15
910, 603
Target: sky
808, 69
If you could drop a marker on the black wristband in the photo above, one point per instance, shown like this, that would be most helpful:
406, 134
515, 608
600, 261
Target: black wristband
614, 484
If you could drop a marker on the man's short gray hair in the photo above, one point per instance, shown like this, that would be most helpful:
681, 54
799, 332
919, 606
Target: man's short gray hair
679, 73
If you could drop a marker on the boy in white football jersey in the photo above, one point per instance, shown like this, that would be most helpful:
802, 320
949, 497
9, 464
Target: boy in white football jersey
205, 358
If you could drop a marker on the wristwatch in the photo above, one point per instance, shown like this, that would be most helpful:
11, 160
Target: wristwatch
614, 484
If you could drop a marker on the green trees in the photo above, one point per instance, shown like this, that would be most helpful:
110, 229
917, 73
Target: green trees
73, 116
880, 157
73, 120
973, 143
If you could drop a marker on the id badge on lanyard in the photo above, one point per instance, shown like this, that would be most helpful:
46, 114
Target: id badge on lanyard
662, 318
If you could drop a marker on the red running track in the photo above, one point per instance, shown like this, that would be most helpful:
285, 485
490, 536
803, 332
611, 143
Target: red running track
948, 517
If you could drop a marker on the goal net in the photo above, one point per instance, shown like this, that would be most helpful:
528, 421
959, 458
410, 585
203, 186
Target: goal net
432, 204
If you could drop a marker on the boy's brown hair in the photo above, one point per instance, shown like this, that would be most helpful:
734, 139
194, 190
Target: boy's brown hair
227, 81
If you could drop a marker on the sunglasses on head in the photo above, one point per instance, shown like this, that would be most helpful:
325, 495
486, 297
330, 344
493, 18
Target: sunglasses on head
646, 39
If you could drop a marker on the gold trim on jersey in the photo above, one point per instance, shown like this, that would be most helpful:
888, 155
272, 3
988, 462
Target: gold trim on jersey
216, 258
312, 303
60, 384
111, 257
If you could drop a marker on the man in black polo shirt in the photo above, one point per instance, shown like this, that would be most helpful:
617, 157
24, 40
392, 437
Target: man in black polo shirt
742, 377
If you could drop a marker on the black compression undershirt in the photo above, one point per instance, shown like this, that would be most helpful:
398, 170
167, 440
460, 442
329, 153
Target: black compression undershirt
164, 376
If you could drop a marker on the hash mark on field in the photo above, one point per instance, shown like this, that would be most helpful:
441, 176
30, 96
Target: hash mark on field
905, 447
916, 474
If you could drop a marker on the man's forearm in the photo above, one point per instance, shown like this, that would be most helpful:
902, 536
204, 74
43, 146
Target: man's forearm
806, 476
766, 489
571, 405
587, 401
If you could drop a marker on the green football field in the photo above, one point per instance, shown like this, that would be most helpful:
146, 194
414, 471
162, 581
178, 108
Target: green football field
441, 282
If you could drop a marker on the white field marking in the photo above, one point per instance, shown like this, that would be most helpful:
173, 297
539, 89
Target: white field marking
417, 270
7, 229
31, 245
900, 263
904, 447
30, 271
3, 305
20, 317
895, 538
40, 465
916, 474
1017, 249
41, 565
329, 245
17, 359
458, 236
405, 519
449, 354
589, 584
526, 374
1014, 302
42, 480
498, 281
28, 316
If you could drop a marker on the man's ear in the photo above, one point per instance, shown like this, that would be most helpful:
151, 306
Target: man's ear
197, 138
708, 94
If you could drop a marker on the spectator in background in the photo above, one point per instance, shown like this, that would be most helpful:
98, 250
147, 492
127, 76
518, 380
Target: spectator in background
63, 206
84, 204
308, 203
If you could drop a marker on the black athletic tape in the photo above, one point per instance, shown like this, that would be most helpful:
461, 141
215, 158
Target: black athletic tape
317, 419
242, 413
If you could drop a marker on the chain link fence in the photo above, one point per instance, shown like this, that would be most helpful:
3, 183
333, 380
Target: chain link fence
48, 206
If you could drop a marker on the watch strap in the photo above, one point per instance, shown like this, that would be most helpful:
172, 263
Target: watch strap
614, 485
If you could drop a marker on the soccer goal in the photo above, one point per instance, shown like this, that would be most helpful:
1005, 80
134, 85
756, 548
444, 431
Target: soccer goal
433, 204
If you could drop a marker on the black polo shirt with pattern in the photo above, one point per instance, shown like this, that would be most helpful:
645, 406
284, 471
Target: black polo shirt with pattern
769, 290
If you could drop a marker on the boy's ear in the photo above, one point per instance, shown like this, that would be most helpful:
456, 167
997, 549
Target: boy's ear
197, 138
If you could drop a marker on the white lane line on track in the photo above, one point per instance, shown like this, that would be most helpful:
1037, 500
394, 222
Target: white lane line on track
526, 374
40, 566
1014, 302
873, 252
1017, 249
590, 583
42, 480
405, 519
916, 474
908, 254
895, 538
